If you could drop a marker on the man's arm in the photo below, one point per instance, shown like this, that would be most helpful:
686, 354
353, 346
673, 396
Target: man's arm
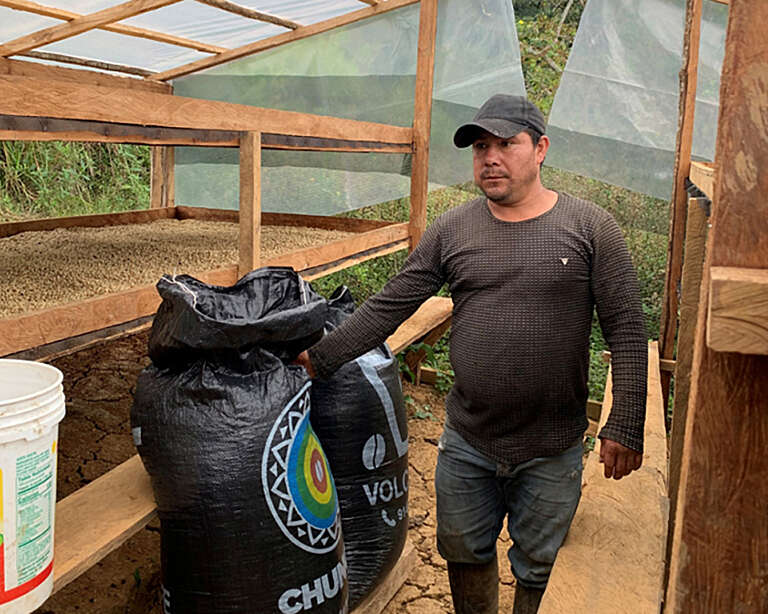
619, 308
377, 318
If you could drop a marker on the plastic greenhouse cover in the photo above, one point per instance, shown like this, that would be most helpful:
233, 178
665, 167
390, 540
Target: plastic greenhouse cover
364, 71
187, 19
615, 113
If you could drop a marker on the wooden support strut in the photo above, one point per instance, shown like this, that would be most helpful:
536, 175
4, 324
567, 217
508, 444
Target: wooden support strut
422, 119
679, 200
81, 24
250, 202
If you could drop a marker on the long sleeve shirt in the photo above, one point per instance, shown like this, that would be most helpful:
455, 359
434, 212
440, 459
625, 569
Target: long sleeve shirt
523, 297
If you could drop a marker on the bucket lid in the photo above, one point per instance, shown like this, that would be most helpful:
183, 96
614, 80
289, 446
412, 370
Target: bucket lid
25, 380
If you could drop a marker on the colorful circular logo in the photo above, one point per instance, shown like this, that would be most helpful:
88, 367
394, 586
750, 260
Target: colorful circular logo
297, 480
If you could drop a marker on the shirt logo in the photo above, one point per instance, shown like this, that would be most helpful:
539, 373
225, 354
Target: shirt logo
564, 261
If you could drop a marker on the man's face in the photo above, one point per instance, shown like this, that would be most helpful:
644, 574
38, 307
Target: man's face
506, 169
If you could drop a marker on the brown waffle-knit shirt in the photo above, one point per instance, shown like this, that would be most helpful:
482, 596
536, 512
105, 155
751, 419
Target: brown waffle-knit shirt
523, 297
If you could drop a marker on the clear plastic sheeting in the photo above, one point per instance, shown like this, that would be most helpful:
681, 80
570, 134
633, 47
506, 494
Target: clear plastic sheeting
615, 113
187, 19
364, 71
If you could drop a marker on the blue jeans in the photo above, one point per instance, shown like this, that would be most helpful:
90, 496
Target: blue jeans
474, 493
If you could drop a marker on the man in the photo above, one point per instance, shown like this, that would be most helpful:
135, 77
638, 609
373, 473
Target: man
525, 266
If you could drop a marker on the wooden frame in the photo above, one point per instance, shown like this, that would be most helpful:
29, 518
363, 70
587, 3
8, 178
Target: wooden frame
720, 532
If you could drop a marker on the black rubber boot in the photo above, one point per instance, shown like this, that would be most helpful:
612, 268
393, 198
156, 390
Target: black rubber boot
527, 600
474, 588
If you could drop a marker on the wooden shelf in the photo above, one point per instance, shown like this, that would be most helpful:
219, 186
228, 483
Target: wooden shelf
31, 330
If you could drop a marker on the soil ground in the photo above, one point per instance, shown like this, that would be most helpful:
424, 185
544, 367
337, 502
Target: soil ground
94, 437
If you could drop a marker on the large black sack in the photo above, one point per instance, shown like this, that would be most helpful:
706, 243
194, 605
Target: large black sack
248, 509
359, 416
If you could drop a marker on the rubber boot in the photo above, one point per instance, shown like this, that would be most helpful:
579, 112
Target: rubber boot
475, 588
527, 600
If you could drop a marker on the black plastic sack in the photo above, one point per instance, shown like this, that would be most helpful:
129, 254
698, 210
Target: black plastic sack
359, 416
248, 509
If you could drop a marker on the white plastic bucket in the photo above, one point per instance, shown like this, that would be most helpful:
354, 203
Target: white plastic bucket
31, 407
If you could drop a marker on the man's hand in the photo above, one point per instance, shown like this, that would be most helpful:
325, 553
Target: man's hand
304, 361
618, 459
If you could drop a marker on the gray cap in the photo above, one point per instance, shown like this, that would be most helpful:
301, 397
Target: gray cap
503, 116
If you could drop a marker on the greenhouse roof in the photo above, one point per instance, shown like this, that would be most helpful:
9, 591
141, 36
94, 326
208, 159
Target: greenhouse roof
164, 39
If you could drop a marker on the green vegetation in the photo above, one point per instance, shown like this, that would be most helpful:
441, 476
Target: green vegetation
55, 179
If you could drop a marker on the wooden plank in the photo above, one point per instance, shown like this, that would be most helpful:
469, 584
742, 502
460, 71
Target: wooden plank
720, 542
117, 28
435, 311
281, 39
702, 175
382, 595
47, 326
737, 319
20, 68
55, 99
311, 257
613, 557
250, 202
81, 24
243, 11
422, 119
19, 128
414, 358
665, 364
679, 200
693, 264
8, 229
70, 59
161, 182
96, 519
316, 272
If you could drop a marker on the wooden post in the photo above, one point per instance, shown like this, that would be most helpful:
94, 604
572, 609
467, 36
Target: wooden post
250, 202
693, 264
677, 209
720, 544
422, 119
162, 178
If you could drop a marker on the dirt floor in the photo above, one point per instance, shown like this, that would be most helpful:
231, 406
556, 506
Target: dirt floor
95, 437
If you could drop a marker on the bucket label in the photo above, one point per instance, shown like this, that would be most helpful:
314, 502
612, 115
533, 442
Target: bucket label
34, 504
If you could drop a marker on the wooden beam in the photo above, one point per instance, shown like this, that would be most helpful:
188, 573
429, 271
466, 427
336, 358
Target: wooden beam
613, 557
32, 97
20, 68
281, 39
703, 177
414, 358
70, 59
8, 229
679, 200
422, 119
17, 128
737, 319
226, 5
370, 2
433, 313
117, 28
96, 519
693, 265
250, 202
161, 185
720, 543
80, 25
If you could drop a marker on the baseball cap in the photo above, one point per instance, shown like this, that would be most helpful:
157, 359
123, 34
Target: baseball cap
503, 116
